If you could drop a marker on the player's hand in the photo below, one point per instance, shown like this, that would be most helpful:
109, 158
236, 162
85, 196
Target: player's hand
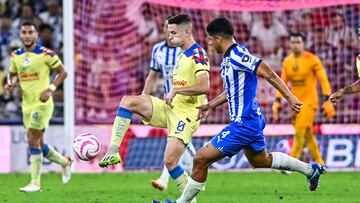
276, 107
328, 109
170, 97
295, 104
8, 88
45, 95
336, 96
203, 111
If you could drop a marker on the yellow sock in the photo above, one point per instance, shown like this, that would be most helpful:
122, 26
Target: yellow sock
313, 147
50, 153
299, 140
180, 177
36, 163
120, 126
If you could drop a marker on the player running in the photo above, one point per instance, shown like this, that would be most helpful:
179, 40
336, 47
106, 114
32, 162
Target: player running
31, 65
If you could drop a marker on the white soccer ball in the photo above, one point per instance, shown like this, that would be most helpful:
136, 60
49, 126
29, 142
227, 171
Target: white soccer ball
86, 146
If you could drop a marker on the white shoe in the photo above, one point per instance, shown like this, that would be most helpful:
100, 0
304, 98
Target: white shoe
66, 171
158, 184
31, 187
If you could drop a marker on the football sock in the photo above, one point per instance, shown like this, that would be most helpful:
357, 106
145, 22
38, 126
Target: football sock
50, 153
120, 126
164, 177
180, 177
192, 188
283, 161
36, 159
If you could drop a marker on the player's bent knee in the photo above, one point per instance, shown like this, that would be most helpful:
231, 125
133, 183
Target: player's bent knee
199, 160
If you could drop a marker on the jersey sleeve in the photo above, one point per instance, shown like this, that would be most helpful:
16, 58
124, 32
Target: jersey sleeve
154, 65
321, 75
12, 68
244, 61
358, 65
52, 59
201, 61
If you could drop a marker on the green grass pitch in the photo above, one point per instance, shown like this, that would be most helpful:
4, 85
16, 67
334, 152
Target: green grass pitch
222, 187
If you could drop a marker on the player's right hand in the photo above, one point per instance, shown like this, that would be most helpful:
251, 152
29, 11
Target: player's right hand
8, 88
276, 107
203, 111
295, 104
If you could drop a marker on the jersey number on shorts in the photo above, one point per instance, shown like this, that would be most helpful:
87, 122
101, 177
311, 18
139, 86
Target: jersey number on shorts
180, 127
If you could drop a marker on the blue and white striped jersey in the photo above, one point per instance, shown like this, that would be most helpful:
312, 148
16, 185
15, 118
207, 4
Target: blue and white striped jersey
238, 72
163, 59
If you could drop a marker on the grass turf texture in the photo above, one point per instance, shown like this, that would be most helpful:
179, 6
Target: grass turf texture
227, 187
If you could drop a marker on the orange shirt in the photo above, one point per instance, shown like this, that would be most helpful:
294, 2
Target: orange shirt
303, 73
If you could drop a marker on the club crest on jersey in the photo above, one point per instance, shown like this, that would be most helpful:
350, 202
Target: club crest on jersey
26, 61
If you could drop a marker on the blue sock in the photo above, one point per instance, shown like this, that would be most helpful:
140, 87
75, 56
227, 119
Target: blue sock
45, 150
176, 172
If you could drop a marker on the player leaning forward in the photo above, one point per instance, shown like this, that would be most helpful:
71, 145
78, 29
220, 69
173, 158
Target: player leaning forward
178, 113
239, 70
32, 65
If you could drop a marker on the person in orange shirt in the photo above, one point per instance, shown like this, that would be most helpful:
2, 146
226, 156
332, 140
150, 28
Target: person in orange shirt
302, 70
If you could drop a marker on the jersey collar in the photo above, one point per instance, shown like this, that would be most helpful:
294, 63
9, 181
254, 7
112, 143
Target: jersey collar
190, 50
227, 53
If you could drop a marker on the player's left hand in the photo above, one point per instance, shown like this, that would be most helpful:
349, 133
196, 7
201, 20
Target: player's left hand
336, 96
328, 108
45, 95
170, 97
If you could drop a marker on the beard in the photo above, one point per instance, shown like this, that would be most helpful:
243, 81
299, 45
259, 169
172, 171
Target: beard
30, 44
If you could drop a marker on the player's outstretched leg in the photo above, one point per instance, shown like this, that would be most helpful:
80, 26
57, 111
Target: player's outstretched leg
141, 105
281, 161
50, 153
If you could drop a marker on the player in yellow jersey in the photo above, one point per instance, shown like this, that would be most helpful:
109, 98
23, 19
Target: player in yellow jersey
302, 69
178, 113
355, 87
31, 66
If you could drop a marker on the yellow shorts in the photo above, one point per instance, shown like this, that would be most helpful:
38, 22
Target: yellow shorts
163, 116
37, 117
305, 118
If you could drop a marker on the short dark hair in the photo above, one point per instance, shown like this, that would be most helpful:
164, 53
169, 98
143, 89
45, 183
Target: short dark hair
297, 34
28, 23
179, 19
220, 26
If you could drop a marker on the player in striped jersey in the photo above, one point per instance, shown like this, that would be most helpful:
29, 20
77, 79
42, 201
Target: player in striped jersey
239, 70
163, 60
355, 87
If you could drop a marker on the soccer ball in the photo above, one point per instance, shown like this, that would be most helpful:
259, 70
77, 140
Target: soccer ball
86, 146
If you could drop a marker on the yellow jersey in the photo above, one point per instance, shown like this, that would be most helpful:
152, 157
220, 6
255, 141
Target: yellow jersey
33, 69
303, 72
190, 63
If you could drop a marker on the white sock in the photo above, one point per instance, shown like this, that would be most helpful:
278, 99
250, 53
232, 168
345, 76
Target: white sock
164, 177
283, 161
192, 188
187, 160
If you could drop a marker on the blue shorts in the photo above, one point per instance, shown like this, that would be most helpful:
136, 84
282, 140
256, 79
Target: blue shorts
236, 137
